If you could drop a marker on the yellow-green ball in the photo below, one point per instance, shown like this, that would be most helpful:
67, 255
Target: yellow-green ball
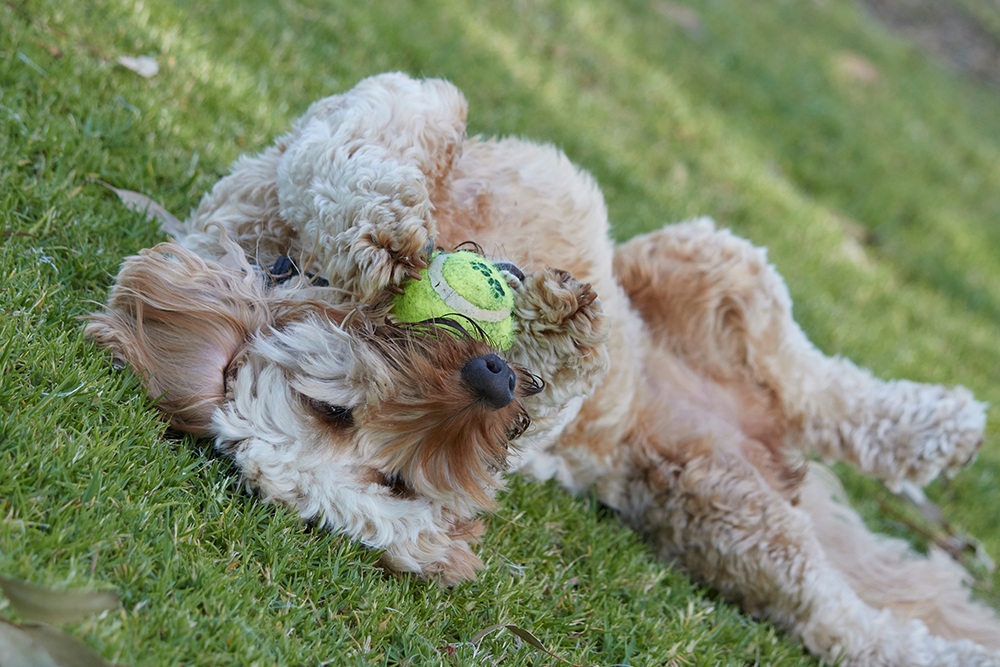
465, 283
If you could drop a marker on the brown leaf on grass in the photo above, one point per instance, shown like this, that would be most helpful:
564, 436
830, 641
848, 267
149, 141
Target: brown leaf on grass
135, 201
36, 645
53, 51
855, 68
94, 49
685, 17
36, 603
522, 634
142, 65
963, 549
18, 649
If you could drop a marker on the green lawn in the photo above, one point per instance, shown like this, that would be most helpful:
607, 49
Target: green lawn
871, 172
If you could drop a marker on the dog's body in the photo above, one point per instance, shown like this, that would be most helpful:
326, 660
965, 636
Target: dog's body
685, 398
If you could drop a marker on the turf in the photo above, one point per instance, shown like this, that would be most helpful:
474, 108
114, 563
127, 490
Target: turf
868, 169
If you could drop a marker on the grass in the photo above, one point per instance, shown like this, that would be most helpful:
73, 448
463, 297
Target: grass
876, 194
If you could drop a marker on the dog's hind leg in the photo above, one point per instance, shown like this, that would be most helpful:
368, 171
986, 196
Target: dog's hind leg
888, 574
713, 299
712, 512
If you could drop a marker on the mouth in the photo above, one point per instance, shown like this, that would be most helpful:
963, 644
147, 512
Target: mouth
511, 268
397, 486
284, 269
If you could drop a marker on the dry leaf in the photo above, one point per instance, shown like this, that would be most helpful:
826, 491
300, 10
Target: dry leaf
48, 606
135, 201
963, 549
64, 650
53, 51
35, 645
683, 16
142, 65
524, 635
855, 68
18, 649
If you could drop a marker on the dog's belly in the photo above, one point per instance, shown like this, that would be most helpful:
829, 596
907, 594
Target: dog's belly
737, 417
691, 405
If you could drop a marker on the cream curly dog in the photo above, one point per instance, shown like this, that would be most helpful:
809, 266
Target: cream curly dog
685, 397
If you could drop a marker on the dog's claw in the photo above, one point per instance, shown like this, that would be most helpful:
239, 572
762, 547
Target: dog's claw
395, 289
414, 274
419, 263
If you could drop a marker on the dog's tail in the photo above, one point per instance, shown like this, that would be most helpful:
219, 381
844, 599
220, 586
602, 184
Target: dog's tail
887, 574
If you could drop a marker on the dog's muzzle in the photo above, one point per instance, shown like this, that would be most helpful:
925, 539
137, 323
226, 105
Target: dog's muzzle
492, 379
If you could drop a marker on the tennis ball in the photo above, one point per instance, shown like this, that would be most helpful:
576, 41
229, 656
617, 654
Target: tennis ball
461, 282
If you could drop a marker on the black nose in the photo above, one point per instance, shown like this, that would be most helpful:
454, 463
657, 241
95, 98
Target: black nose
492, 379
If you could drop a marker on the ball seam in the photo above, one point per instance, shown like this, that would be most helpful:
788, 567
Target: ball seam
454, 300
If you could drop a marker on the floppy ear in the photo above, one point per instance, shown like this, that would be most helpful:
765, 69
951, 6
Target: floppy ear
178, 320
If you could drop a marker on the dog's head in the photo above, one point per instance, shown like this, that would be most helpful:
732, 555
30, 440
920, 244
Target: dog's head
423, 409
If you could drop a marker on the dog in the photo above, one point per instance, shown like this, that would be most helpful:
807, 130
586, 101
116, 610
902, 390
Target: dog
664, 375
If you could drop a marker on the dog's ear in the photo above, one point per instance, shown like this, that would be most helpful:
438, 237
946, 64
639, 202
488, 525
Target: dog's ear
178, 320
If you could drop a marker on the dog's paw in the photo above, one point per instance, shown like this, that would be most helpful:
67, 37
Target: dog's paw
560, 335
458, 565
442, 554
392, 244
937, 430
366, 225
560, 331
554, 303
390, 240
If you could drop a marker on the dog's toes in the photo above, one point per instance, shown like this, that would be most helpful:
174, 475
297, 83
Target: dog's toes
945, 431
392, 252
587, 295
554, 299
560, 334
459, 565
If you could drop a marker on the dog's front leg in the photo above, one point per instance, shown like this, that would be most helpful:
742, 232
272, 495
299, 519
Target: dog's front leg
360, 176
560, 334
334, 492
363, 216
716, 516
444, 555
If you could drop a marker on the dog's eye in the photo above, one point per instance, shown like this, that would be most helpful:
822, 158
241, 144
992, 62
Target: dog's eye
331, 414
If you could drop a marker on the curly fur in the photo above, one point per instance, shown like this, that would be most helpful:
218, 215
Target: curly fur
685, 397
